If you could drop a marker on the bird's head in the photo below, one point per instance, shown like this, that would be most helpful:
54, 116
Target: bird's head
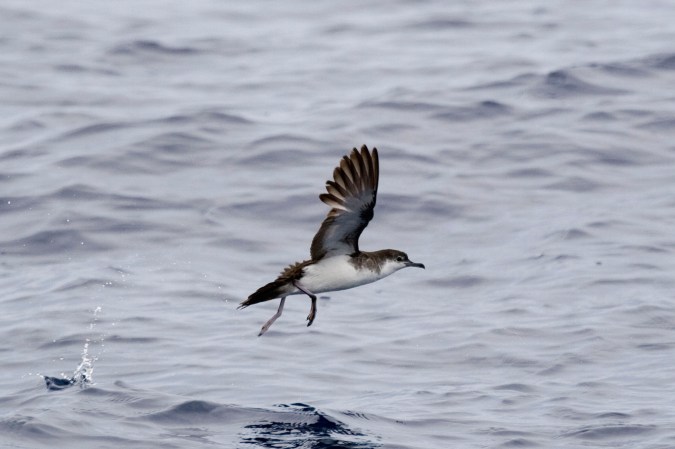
395, 260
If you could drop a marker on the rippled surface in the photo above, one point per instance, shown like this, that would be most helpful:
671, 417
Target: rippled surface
159, 161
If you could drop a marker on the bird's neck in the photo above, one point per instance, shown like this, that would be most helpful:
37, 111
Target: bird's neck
373, 262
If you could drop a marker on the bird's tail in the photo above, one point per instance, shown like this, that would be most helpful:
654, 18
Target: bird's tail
267, 292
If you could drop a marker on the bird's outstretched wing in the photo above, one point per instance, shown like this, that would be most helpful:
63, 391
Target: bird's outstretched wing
351, 196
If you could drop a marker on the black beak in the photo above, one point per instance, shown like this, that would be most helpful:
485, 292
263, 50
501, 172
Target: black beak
413, 264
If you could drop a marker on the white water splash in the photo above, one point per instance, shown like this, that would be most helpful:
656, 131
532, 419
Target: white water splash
83, 374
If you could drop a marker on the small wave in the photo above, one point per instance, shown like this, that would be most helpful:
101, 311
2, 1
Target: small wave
574, 184
28, 427
522, 388
173, 143
244, 245
288, 208
459, 281
285, 140
483, 110
610, 432
79, 68
519, 442
144, 47
621, 156
432, 208
599, 116
77, 192
142, 203
30, 125
553, 370
23, 153
662, 124
20, 431
624, 281
533, 172
285, 426
569, 234
133, 340
157, 155
612, 415
301, 425
442, 23
414, 106
205, 117
84, 283
516, 81
275, 157
191, 412
96, 128
626, 69
56, 241
13, 204
646, 249
561, 83
662, 61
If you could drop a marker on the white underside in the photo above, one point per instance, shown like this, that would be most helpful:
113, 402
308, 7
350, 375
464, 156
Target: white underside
336, 273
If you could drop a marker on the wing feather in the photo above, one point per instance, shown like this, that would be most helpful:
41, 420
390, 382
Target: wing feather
351, 195
336, 189
332, 201
363, 178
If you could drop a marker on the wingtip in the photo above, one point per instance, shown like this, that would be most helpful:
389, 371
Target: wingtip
364, 148
369, 154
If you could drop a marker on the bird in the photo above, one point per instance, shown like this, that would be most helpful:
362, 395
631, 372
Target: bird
336, 262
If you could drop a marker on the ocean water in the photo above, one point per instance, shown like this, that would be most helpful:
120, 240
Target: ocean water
159, 161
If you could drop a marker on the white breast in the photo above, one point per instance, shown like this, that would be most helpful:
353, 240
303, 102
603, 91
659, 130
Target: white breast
336, 273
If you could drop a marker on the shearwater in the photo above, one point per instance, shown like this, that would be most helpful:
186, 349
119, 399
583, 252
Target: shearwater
336, 262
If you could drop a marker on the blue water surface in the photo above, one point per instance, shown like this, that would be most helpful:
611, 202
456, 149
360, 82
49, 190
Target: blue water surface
159, 161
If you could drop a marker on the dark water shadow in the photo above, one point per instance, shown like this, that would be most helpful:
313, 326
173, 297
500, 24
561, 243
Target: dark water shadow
303, 426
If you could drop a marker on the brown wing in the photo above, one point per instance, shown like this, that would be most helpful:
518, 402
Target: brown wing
351, 196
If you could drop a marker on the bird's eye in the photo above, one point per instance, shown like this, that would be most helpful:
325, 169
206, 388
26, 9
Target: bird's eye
399, 259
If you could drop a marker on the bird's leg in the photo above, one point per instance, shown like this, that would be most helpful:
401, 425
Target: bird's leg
274, 318
312, 311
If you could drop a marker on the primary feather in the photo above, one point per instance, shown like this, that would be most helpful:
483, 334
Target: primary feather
351, 195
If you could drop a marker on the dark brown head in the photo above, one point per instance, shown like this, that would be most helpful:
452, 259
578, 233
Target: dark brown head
393, 260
